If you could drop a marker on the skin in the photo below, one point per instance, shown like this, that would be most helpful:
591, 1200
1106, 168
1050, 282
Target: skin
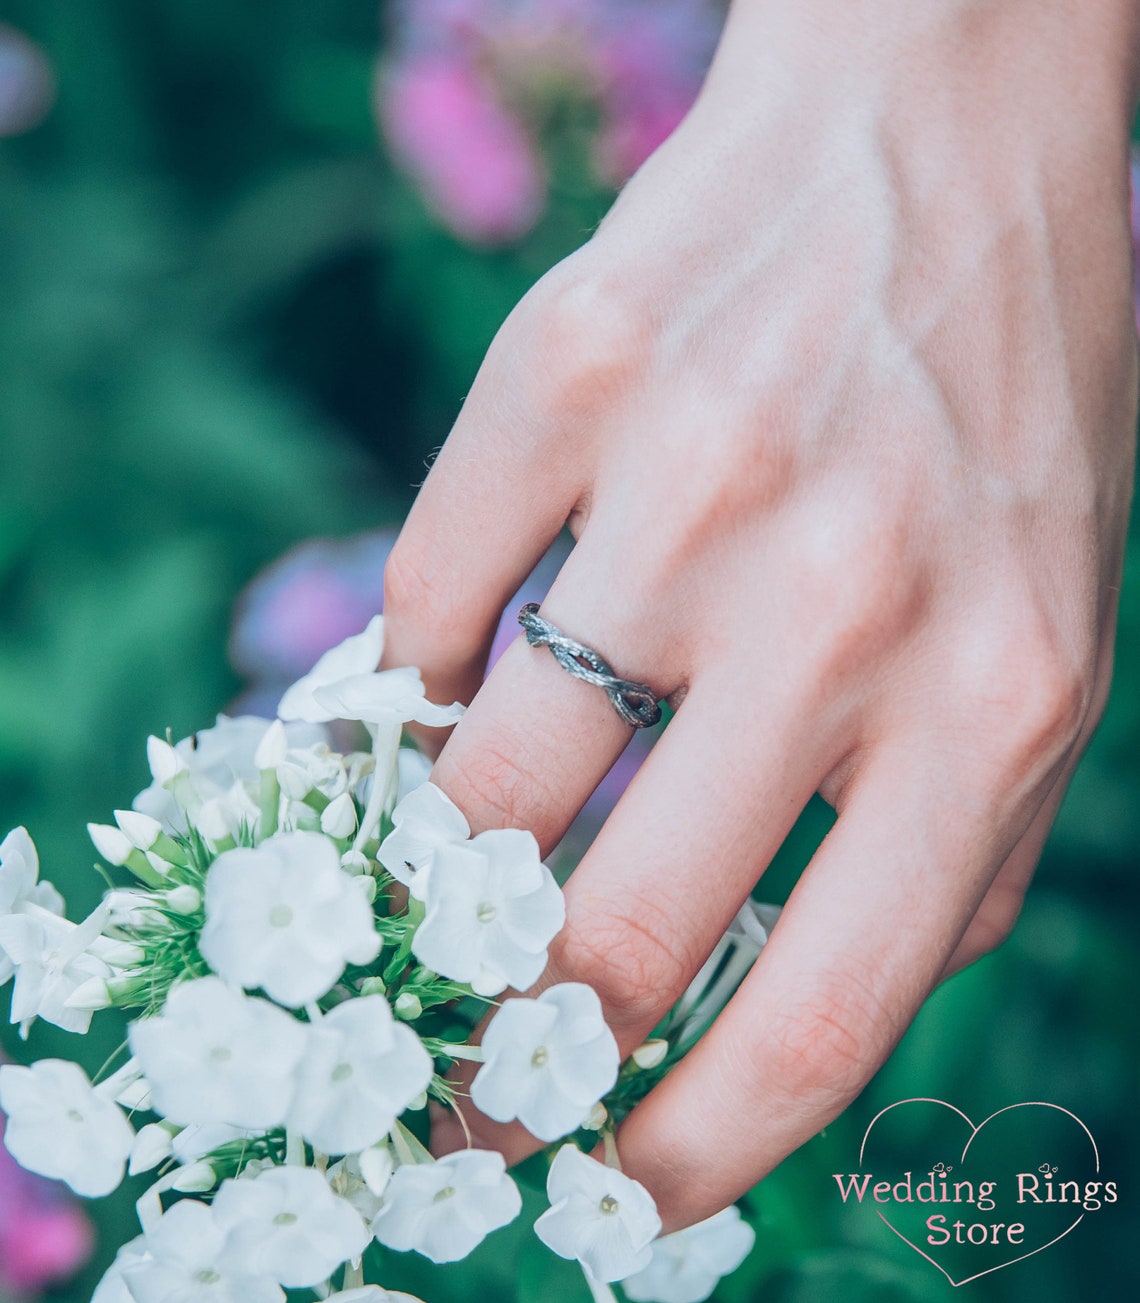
839, 403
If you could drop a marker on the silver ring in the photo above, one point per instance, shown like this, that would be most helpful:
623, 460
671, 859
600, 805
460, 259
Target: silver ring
636, 703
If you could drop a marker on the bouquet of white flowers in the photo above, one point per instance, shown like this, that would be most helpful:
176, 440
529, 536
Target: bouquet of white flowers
305, 941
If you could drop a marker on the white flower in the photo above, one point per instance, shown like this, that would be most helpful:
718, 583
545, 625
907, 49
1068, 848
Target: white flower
112, 1288
413, 770
20, 886
288, 1224
372, 1294
284, 917
185, 1247
424, 820
207, 765
687, 1265
59, 1126
444, 1209
359, 654
598, 1215
52, 962
196, 1142
385, 697
547, 1062
360, 1072
492, 908
214, 1055
347, 1181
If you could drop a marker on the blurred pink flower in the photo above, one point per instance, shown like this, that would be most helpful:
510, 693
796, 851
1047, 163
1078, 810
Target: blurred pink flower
44, 1237
466, 91
474, 163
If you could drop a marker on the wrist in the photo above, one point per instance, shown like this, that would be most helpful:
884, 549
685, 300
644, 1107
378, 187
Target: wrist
1072, 66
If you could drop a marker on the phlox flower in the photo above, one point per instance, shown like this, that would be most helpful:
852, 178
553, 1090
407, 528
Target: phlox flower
547, 1062
491, 909
347, 1181
687, 1265
215, 1055
361, 1070
60, 1126
112, 1288
598, 1215
206, 767
184, 1264
345, 684
422, 822
444, 1209
286, 1223
372, 1294
20, 886
284, 917
52, 961
359, 654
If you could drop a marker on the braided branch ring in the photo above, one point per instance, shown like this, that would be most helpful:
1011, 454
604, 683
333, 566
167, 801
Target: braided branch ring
636, 703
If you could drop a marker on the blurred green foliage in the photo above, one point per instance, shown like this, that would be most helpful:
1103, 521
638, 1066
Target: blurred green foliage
226, 324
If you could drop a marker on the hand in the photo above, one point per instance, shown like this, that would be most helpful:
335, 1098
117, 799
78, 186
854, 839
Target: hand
839, 403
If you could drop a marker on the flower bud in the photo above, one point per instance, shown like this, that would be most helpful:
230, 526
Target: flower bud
373, 986
651, 1053
376, 1168
92, 994
119, 954
184, 899
136, 1096
596, 1118
153, 1145
419, 1102
195, 1179
354, 863
165, 763
295, 781
273, 747
140, 829
408, 1007
111, 842
338, 819
212, 823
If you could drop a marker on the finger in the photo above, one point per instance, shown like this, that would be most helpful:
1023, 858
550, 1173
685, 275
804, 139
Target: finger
504, 484
861, 943
676, 860
1001, 905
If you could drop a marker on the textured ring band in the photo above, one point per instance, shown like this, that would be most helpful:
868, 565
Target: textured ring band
636, 703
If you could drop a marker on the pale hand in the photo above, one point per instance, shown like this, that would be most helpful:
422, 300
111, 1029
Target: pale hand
839, 402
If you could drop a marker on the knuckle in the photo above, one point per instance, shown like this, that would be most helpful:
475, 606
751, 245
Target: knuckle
825, 1045
993, 923
1038, 702
495, 788
417, 593
630, 954
586, 334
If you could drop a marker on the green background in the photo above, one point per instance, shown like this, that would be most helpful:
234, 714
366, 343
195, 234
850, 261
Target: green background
227, 324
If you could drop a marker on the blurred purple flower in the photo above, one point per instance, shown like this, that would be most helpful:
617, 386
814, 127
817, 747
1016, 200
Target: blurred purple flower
466, 90
326, 589
27, 83
44, 1236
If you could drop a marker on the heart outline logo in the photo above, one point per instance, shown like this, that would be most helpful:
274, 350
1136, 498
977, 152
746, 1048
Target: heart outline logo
966, 1148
